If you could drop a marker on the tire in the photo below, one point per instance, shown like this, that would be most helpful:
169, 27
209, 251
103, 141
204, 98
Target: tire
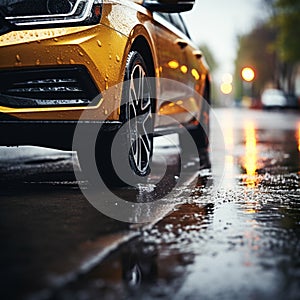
134, 147
199, 134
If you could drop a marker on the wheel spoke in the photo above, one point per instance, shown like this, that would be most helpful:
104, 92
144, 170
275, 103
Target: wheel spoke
147, 146
133, 94
144, 130
141, 84
139, 154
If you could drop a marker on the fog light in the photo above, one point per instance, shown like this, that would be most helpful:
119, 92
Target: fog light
59, 6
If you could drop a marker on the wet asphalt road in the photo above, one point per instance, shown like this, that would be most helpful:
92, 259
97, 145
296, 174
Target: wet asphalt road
234, 234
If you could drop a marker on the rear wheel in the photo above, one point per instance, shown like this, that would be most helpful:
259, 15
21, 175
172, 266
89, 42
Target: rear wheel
130, 161
199, 133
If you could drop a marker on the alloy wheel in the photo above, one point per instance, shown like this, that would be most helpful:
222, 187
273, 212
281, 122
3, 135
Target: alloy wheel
140, 121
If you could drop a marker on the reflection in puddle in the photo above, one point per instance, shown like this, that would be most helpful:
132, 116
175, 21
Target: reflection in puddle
230, 167
151, 267
250, 159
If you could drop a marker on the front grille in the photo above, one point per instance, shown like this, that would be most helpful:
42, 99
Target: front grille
65, 86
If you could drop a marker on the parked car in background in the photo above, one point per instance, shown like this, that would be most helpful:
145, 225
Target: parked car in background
273, 98
58, 56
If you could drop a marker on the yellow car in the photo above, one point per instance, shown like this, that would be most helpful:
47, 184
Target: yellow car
58, 57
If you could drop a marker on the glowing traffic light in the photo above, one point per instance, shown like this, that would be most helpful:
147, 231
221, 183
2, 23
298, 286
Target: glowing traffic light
248, 74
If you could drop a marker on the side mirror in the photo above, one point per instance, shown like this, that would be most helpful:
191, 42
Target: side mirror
169, 6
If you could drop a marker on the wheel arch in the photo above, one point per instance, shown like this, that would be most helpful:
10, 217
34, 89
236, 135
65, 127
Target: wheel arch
142, 45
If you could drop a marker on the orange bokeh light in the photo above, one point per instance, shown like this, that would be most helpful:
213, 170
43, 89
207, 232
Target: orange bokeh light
248, 74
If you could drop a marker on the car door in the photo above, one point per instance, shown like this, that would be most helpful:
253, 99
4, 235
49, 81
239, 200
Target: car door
178, 61
196, 70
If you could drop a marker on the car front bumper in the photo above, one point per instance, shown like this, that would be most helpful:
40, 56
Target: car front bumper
56, 74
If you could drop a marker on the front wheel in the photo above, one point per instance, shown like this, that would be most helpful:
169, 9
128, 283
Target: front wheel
130, 161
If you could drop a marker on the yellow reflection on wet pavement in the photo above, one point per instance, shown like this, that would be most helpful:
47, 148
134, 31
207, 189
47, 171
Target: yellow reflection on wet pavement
230, 171
250, 159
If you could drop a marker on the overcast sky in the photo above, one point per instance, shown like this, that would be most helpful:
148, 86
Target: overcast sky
217, 23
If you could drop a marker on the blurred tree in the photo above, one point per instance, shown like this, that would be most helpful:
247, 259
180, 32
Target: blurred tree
256, 51
211, 61
285, 16
287, 20
269, 6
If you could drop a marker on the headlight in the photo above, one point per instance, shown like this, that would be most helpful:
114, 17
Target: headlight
51, 12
